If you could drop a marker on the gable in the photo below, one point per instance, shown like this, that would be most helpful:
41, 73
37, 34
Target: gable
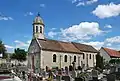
34, 46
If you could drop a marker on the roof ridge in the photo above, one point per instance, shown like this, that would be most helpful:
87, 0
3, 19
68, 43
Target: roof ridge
82, 44
110, 49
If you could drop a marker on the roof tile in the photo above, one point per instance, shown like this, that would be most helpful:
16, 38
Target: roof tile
112, 53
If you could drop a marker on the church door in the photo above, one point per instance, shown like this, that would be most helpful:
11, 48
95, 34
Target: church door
33, 66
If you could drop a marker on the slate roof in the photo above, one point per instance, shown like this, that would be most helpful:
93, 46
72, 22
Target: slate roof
54, 45
111, 52
85, 48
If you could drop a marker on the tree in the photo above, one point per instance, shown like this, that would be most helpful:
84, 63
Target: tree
3, 50
99, 61
114, 61
19, 54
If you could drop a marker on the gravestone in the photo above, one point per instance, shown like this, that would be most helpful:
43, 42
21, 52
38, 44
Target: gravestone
118, 69
111, 77
70, 68
66, 71
44, 73
79, 68
73, 65
74, 74
59, 72
79, 79
95, 75
66, 78
58, 78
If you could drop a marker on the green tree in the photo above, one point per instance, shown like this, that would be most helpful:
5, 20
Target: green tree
3, 50
99, 61
19, 54
117, 61
114, 61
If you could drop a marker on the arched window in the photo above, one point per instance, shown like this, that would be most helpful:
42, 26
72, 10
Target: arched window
54, 58
83, 56
40, 29
65, 58
74, 58
90, 56
36, 28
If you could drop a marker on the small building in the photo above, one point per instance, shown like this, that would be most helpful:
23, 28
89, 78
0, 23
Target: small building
109, 54
44, 52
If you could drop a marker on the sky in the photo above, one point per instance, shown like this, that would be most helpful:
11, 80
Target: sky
92, 22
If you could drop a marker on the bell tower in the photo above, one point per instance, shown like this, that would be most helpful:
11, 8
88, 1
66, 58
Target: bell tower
38, 27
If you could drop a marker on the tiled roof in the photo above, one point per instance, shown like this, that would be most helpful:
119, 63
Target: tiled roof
69, 47
54, 45
111, 52
85, 48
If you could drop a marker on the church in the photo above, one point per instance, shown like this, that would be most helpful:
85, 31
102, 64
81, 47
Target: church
44, 52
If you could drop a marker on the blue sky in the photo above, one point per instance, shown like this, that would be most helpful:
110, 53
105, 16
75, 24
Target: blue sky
93, 22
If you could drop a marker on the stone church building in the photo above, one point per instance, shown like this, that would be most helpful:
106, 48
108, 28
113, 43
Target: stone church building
44, 52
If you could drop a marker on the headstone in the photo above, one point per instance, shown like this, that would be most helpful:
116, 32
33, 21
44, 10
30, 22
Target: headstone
44, 73
59, 72
58, 78
73, 65
74, 74
95, 75
66, 71
111, 77
70, 68
118, 69
78, 79
79, 68
66, 78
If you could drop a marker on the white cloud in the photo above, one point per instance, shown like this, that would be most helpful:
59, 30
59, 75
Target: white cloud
108, 26
29, 14
20, 44
83, 31
9, 47
74, 1
115, 39
80, 4
53, 28
106, 11
91, 1
3, 17
95, 44
42, 5
109, 44
52, 34
83, 2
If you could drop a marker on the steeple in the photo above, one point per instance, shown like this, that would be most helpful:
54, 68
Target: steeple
38, 27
